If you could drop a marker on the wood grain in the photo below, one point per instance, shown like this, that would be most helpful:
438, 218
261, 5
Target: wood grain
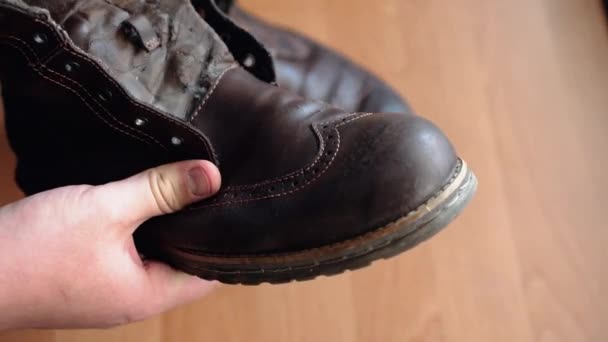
522, 89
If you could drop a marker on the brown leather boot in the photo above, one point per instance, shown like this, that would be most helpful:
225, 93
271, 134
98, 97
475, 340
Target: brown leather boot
318, 72
97, 90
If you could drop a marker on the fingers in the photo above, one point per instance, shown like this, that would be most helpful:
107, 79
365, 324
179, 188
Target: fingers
158, 191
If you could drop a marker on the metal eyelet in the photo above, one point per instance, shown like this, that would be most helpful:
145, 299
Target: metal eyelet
139, 122
249, 61
71, 66
40, 38
175, 141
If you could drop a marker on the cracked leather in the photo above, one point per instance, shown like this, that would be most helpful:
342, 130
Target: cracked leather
297, 174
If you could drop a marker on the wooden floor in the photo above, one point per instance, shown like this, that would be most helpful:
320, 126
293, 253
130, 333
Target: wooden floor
521, 87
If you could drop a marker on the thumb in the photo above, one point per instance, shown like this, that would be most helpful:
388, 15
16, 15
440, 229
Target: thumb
160, 190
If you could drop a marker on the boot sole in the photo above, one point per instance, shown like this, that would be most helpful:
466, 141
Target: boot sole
382, 243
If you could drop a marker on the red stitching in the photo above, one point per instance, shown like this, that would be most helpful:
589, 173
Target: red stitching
96, 63
82, 87
53, 29
62, 45
413, 211
51, 56
179, 123
360, 115
215, 84
105, 110
305, 168
72, 90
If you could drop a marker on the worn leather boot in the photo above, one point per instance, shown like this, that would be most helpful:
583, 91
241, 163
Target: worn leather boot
318, 72
98, 90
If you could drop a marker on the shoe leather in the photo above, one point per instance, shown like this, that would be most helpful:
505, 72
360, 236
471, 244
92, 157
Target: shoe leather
88, 103
318, 72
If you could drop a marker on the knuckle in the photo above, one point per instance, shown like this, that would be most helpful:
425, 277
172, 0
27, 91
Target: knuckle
165, 191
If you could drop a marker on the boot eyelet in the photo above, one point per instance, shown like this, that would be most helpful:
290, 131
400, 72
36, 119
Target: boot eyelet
249, 61
139, 122
175, 141
71, 66
40, 38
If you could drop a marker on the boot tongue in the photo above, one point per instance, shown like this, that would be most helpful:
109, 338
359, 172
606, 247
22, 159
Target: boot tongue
161, 51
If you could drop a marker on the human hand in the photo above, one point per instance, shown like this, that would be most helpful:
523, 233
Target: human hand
67, 257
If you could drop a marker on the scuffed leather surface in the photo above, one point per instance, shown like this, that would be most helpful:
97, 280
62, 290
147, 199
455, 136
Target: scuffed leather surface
61, 120
317, 72
298, 174
173, 77
300, 189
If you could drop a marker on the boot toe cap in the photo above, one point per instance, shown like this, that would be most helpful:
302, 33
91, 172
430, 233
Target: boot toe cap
395, 163
382, 166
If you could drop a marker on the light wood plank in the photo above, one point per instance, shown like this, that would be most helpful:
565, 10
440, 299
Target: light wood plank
521, 88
